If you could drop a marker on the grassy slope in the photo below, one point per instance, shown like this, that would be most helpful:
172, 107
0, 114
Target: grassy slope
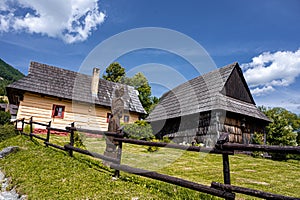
46, 173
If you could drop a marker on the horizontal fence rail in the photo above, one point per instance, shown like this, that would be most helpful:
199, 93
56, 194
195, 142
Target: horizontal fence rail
174, 180
96, 132
173, 146
225, 190
265, 148
251, 192
92, 154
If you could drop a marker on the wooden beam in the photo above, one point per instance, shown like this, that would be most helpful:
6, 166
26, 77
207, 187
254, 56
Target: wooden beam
175, 181
174, 146
254, 147
251, 192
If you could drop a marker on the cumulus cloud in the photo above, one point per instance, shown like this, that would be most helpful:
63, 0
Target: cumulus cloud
262, 90
70, 20
268, 71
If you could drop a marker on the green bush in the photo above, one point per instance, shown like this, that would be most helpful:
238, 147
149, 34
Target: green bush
139, 130
153, 148
258, 138
78, 140
27, 129
166, 139
4, 117
7, 131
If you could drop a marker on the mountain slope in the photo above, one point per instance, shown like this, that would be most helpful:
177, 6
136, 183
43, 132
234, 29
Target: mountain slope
8, 74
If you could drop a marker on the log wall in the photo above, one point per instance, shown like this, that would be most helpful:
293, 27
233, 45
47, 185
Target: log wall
206, 128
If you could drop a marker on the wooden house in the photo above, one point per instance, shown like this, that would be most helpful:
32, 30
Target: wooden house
12, 109
204, 107
62, 96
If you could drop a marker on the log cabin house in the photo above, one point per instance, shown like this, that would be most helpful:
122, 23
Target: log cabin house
12, 109
204, 107
62, 96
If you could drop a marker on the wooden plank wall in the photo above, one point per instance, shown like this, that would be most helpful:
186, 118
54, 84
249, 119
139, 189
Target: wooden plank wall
185, 130
233, 126
83, 114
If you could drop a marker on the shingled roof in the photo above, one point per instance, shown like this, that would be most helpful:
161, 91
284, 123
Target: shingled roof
222, 89
65, 84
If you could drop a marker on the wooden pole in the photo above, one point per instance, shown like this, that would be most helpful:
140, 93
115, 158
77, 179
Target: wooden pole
256, 147
251, 192
31, 128
119, 156
48, 134
226, 169
174, 146
175, 181
23, 122
16, 125
89, 153
71, 139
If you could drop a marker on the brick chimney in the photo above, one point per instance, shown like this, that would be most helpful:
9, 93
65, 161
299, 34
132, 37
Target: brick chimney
95, 82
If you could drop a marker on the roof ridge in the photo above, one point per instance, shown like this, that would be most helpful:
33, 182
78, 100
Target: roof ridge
35, 63
232, 66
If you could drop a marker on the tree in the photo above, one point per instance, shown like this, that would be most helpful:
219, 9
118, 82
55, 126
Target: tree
154, 102
282, 129
140, 83
114, 72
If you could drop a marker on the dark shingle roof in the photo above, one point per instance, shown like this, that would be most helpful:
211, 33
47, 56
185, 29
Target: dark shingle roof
66, 84
205, 93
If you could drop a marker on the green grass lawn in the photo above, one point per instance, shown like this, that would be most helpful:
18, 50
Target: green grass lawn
246, 171
47, 173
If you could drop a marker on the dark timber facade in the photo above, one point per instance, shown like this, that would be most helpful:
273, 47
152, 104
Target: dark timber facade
204, 107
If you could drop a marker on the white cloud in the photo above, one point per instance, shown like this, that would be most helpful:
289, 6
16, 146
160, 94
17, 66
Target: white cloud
260, 91
70, 20
270, 70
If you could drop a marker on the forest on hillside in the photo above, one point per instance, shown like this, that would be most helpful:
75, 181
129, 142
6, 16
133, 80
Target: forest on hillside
8, 74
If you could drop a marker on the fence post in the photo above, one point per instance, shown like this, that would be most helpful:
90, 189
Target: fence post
226, 169
16, 125
31, 128
224, 138
23, 122
71, 138
119, 155
48, 133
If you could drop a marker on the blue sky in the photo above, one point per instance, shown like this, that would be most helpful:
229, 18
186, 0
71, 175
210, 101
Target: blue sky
261, 35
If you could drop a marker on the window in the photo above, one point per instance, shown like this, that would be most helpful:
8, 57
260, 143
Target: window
108, 116
58, 111
126, 118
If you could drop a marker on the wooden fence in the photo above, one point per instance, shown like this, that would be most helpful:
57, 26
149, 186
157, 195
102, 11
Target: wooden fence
226, 190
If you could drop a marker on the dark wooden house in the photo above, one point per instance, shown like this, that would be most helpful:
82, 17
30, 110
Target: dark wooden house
204, 107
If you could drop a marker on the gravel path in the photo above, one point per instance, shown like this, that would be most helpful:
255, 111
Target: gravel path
11, 194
